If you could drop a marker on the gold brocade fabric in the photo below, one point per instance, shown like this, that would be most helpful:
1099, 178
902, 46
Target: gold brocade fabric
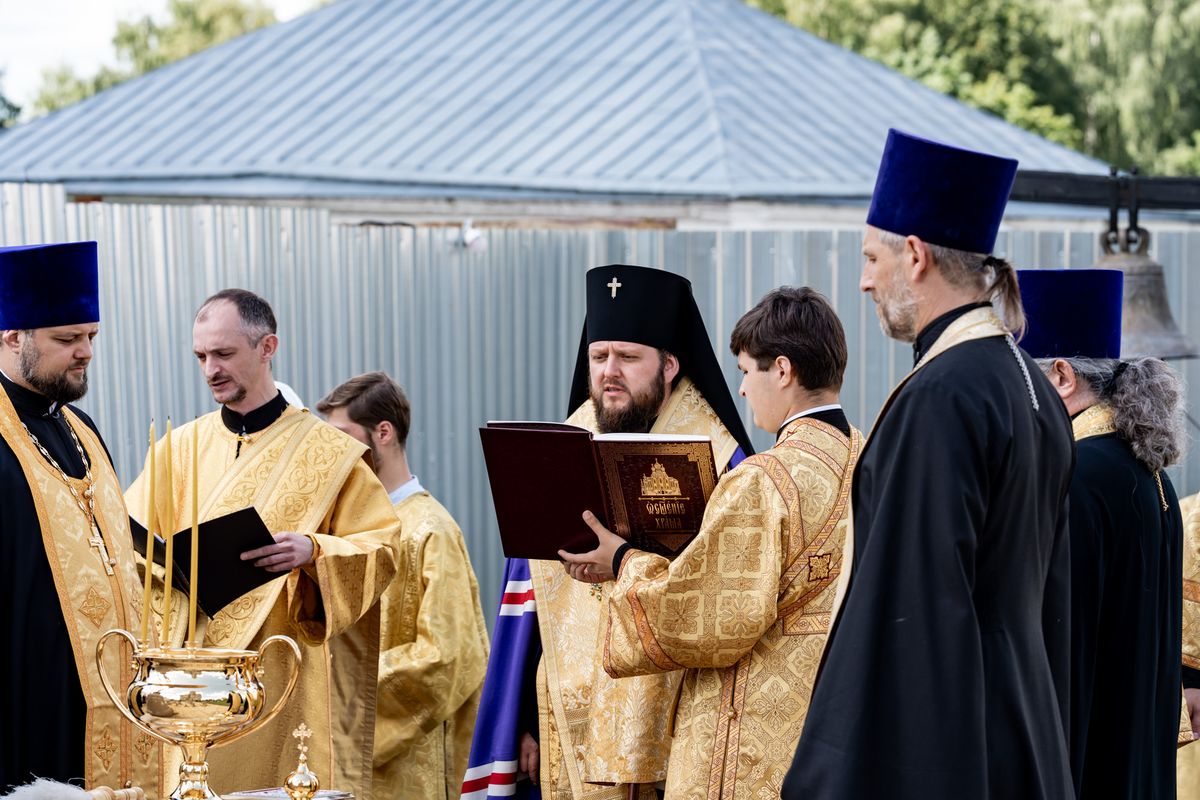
596, 730
1188, 764
93, 601
433, 658
303, 476
1094, 421
1189, 507
745, 611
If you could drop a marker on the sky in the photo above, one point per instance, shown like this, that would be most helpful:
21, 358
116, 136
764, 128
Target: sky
38, 34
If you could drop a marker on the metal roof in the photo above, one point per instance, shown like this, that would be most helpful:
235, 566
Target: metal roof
689, 98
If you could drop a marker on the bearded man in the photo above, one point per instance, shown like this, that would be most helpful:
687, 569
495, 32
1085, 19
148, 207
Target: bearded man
945, 672
645, 364
66, 556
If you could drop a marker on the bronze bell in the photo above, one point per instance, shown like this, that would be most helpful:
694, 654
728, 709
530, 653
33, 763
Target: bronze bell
1147, 326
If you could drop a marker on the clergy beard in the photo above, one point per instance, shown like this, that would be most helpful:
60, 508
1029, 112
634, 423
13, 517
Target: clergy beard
639, 415
60, 388
897, 310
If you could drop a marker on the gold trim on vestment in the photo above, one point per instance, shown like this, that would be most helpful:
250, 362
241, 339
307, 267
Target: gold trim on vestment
236, 625
978, 323
686, 413
793, 568
85, 589
1095, 420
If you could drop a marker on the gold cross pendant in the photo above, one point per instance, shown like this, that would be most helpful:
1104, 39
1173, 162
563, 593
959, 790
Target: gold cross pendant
97, 541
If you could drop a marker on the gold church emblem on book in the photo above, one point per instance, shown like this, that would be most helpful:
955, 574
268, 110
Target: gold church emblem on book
659, 484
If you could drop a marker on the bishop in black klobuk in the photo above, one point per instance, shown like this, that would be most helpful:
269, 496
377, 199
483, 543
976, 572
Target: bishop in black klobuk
655, 308
621, 726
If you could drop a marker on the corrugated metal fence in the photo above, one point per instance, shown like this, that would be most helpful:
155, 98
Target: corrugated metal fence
472, 334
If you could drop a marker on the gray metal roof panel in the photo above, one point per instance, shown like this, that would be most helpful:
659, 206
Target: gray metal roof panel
704, 98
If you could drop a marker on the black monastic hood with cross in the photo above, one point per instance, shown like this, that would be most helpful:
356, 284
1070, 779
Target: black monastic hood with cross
655, 308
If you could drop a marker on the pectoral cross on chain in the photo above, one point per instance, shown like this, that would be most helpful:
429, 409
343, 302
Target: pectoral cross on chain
97, 541
614, 286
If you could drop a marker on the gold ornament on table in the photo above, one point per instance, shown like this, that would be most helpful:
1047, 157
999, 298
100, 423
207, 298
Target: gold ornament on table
302, 783
191, 696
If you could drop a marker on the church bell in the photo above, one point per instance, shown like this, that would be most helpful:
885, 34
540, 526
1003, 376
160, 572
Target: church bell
1148, 328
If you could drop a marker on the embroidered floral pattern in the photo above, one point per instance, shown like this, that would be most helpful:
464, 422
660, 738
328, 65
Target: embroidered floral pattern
819, 567
680, 614
106, 748
94, 606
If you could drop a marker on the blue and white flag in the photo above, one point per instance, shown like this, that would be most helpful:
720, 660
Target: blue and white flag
507, 689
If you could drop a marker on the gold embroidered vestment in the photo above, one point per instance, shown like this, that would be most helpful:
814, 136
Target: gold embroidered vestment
596, 730
433, 658
92, 601
745, 611
1188, 767
304, 476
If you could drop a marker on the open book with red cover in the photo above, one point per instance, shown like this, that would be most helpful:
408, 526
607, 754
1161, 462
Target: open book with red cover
648, 488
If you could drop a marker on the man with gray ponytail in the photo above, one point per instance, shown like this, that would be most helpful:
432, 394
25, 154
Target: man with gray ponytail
1126, 535
945, 671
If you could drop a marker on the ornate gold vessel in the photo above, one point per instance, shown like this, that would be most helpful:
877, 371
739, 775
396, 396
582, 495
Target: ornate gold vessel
196, 697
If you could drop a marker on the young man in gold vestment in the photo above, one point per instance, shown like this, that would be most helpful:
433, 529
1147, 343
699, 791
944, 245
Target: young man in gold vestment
744, 609
434, 644
66, 557
334, 530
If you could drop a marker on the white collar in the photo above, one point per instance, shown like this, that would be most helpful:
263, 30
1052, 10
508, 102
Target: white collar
405, 490
809, 411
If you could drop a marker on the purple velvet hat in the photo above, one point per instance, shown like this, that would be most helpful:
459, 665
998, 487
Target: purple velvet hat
46, 285
944, 195
1072, 313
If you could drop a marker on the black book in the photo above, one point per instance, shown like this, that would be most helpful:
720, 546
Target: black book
224, 577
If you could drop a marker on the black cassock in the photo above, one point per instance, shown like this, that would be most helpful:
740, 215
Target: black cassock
945, 674
1126, 618
43, 712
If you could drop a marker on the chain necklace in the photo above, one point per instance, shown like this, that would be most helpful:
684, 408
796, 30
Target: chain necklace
89, 484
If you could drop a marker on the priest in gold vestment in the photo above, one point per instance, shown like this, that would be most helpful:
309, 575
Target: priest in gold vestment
66, 557
434, 643
334, 530
1188, 766
644, 364
744, 609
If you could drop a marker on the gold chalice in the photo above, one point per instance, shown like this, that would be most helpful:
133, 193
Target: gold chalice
196, 697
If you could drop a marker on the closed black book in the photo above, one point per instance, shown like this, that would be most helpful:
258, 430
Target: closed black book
223, 576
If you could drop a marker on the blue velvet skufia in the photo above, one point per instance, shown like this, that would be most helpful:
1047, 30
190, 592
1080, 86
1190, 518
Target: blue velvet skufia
944, 195
1072, 313
43, 286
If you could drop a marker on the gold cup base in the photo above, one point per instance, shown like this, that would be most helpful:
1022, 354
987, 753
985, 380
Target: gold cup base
193, 773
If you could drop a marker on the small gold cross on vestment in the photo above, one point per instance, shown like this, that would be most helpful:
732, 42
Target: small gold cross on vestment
614, 286
302, 733
97, 541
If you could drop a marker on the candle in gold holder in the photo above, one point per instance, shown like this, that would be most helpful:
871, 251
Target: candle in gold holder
168, 534
193, 580
146, 609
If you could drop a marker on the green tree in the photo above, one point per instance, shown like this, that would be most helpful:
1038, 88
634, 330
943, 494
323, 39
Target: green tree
9, 111
998, 55
145, 44
1137, 65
